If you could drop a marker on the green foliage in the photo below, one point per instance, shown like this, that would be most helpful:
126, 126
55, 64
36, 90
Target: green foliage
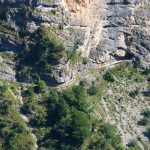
57, 108
80, 127
83, 83
61, 26
66, 123
107, 139
20, 141
6, 92
25, 72
25, 11
146, 121
73, 56
65, 113
85, 60
72, 131
123, 71
41, 86
23, 32
13, 130
30, 103
134, 92
47, 46
4, 108
108, 76
45, 49
4, 88
61, 120
53, 12
148, 133
133, 145
93, 90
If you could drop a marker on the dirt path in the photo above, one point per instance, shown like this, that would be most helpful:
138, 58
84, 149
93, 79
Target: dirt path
95, 66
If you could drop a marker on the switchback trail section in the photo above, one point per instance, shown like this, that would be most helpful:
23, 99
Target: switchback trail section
95, 66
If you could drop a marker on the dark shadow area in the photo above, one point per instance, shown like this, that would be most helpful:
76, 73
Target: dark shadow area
147, 134
146, 93
128, 55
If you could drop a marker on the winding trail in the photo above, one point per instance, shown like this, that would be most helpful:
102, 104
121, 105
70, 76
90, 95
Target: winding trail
95, 66
71, 82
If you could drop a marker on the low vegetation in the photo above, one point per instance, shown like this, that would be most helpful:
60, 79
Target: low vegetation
14, 133
66, 118
62, 120
146, 122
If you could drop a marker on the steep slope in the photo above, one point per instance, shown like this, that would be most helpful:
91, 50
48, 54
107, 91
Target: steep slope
108, 103
102, 31
116, 29
62, 42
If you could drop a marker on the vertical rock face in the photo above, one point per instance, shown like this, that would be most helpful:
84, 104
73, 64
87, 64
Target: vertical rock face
113, 29
104, 30
89, 17
128, 27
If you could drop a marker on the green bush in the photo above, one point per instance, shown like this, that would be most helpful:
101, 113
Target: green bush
83, 83
53, 12
73, 56
134, 92
108, 76
61, 26
147, 133
93, 90
146, 121
85, 60
108, 138
80, 127
41, 86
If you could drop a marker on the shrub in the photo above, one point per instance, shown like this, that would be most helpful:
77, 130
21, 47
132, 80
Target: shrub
73, 56
107, 139
93, 90
23, 32
85, 60
4, 87
80, 128
61, 26
134, 93
53, 12
83, 83
41, 86
147, 133
146, 122
108, 76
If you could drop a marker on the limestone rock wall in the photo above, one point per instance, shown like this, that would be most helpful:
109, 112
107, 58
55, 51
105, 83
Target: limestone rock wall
110, 27
104, 30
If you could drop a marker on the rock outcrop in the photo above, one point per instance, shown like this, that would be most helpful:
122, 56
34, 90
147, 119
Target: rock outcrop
97, 32
7, 71
114, 29
103, 30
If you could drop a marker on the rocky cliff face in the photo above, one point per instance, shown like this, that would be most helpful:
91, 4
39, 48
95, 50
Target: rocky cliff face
101, 31
114, 29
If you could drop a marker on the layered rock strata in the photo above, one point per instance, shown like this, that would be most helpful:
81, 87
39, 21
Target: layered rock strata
103, 30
